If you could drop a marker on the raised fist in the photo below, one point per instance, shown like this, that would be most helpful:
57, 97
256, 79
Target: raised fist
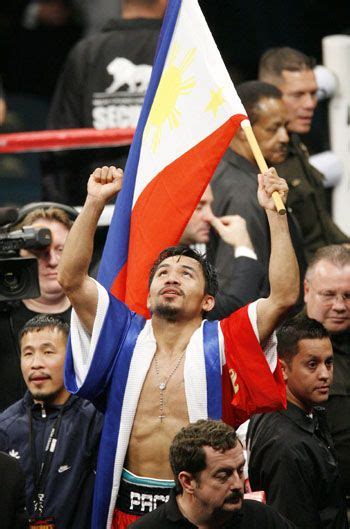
268, 183
104, 183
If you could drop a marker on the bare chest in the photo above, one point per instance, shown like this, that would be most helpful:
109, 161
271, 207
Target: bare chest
163, 393
161, 412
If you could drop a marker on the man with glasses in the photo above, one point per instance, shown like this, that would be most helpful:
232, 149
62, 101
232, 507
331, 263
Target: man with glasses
327, 298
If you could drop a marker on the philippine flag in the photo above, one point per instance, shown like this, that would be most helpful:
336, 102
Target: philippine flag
190, 114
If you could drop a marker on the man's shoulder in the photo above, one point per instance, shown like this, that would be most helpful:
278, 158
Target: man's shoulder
86, 410
12, 413
297, 164
153, 520
280, 434
234, 186
13, 422
117, 30
263, 424
87, 48
231, 167
256, 513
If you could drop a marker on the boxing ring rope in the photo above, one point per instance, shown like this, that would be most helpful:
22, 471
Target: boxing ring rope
64, 139
67, 139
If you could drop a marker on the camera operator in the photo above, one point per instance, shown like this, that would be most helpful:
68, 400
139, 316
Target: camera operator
52, 299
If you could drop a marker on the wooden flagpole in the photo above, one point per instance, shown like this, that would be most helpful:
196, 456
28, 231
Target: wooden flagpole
246, 126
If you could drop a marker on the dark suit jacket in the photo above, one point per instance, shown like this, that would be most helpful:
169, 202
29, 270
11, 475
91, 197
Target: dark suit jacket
12, 495
235, 188
247, 276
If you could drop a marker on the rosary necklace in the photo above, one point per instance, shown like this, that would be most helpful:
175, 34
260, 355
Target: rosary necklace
163, 385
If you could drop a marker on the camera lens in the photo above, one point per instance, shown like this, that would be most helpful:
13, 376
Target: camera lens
11, 282
18, 278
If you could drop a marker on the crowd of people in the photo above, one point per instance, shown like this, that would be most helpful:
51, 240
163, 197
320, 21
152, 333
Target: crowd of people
237, 386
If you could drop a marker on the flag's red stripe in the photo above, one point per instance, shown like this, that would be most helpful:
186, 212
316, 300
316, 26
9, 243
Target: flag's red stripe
182, 183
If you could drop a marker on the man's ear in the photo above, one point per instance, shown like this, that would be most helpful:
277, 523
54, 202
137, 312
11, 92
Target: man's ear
148, 302
285, 369
188, 482
208, 303
306, 290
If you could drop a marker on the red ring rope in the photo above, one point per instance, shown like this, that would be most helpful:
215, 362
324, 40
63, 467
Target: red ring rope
52, 140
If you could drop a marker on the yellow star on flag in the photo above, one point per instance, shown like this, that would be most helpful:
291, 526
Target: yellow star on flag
216, 100
172, 86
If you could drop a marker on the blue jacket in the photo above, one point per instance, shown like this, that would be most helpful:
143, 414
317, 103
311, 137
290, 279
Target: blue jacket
70, 481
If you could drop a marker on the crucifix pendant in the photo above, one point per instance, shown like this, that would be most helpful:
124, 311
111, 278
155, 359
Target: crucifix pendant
161, 417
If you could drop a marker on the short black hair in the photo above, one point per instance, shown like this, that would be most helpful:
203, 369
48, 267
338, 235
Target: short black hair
252, 92
186, 450
300, 327
275, 60
43, 321
209, 273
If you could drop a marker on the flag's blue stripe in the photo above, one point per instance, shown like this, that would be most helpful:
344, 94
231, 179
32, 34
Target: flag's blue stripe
117, 244
212, 369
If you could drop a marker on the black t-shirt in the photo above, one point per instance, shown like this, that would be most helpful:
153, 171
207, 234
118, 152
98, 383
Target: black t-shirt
253, 515
12, 319
102, 85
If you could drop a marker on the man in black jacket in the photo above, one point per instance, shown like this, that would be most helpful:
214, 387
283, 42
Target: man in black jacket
207, 460
54, 435
292, 72
292, 456
102, 85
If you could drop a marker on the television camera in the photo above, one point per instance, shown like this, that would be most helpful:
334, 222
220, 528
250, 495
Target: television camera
19, 275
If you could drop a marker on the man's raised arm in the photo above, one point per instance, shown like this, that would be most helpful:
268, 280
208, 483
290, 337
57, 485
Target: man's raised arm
283, 268
73, 276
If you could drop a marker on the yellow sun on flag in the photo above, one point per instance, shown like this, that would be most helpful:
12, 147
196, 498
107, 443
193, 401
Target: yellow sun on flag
216, 100
172, 85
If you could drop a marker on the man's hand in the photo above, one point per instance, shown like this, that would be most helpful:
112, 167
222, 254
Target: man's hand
268, 183
105, 183
232, 230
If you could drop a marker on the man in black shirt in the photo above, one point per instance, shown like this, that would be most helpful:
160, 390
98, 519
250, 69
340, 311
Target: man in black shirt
52, 299
102, 86
292, 456
207, 461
